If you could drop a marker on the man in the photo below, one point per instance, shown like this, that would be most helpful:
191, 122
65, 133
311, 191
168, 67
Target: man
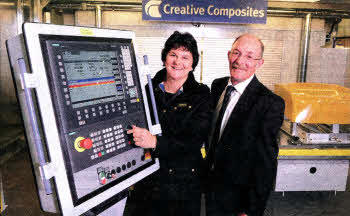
243, 148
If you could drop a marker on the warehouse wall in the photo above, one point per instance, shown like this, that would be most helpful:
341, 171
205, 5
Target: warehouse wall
347, 72
281, 37
9, 111
8, 29
344, 28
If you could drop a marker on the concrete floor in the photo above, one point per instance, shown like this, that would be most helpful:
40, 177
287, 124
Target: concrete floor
19, 187
21, 198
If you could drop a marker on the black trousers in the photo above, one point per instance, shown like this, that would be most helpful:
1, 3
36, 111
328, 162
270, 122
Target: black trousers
167, 207
177, 194
234, 200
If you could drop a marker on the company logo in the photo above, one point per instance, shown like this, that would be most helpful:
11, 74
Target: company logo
223, 11
152, 8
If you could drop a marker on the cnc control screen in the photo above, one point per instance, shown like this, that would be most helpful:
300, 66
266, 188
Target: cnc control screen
96, 93
90, 77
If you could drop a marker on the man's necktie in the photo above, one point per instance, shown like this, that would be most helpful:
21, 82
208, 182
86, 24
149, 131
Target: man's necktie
216, 135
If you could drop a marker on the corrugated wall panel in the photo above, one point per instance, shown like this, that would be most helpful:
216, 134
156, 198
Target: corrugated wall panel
344, 28
347, 72
215, 61
8, 29
85, 18
280, 35
150, 46
270, 73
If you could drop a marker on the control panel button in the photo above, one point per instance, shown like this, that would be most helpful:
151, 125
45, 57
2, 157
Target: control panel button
113, 173
103, 180
147, 155
119, 169
109, 175
101, 175
85, 143
81, 144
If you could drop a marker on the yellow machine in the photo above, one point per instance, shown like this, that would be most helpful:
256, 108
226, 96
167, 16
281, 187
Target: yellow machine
316, 111
315, 138
315, 103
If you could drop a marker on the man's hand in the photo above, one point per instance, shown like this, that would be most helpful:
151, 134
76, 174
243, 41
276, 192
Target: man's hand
142, 137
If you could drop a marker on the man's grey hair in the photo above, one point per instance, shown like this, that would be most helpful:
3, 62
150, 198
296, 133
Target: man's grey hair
261, 43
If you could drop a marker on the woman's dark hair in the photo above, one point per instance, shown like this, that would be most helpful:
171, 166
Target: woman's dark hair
186, 40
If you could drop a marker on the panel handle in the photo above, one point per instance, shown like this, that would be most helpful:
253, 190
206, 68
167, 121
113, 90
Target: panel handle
34, 124
153, 101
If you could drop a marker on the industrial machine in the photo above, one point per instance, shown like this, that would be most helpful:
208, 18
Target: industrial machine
79, 90
315, 138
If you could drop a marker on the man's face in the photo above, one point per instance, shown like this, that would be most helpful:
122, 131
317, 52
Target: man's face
244, 58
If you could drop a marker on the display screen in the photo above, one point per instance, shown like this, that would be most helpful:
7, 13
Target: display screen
91, 77
97, 79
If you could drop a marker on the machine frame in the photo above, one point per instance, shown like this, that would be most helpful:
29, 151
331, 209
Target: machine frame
310, 166
49, 132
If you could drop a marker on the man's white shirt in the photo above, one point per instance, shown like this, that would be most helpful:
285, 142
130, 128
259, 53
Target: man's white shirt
235, 95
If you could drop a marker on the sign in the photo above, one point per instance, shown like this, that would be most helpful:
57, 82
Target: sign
205, 11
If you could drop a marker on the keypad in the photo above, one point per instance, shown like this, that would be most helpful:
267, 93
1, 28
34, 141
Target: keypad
107, 140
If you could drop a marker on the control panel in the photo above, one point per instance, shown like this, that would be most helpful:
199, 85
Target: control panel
98, 97
79, 91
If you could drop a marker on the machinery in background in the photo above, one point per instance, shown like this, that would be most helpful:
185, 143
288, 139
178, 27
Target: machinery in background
316, 112
79, 90
315, 138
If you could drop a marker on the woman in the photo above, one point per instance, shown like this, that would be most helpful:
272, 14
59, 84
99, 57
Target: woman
184, 111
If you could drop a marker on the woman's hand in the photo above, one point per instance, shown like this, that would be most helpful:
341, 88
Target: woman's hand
143, 137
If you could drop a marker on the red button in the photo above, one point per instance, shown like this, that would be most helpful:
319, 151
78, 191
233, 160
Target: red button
99, 154
103, 180
85, 143
147, 155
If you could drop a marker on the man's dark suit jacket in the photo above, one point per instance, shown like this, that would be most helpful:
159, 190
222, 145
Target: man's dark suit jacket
246, 153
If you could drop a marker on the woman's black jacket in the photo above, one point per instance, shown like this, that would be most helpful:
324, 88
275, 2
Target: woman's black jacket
185, 121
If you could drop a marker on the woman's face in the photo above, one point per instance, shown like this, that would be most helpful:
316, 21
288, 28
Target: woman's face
178, 63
